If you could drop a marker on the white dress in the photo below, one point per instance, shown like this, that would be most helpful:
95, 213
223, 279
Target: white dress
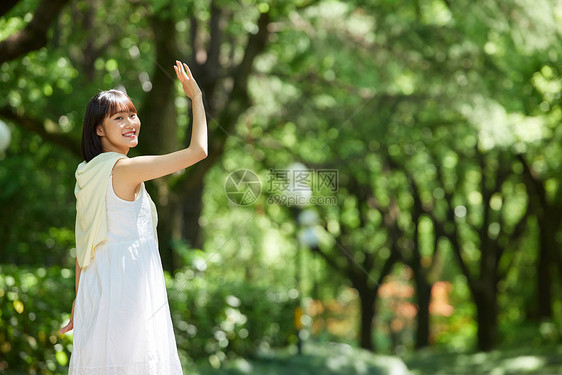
122, 323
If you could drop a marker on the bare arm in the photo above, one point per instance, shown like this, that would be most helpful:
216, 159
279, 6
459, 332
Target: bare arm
70, 324
133, 171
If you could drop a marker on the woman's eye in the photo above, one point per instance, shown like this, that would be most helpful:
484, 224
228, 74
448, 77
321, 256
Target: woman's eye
133, 115
119, 118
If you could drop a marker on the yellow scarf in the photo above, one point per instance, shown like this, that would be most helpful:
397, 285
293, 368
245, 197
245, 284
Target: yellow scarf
92, 179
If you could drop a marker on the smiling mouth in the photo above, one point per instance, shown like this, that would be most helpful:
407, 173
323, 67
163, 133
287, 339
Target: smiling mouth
130, 134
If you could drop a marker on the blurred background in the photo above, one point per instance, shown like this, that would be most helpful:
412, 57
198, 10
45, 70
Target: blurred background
381, 196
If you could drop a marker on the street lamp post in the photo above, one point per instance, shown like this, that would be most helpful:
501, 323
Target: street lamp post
309, 239
305, 220
299, 194
306, 238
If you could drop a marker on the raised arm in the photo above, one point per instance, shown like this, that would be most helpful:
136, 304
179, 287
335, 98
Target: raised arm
128, 173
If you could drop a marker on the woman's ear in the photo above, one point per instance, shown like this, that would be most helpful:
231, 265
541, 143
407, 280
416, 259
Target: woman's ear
99, 131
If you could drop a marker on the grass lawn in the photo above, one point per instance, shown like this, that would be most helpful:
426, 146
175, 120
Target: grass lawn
317, 359
525, 360
341, 359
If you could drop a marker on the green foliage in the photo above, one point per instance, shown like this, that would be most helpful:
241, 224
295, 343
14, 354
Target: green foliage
213, 319
34, 303
217, 319
457, 332
37, 200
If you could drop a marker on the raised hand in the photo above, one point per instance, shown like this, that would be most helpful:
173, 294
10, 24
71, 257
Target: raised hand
188, 83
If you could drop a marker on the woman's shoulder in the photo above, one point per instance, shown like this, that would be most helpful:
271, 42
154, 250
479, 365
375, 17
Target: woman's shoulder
100, 166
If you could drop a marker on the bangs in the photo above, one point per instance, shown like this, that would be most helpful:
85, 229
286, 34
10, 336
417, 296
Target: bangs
119, 102
105, 104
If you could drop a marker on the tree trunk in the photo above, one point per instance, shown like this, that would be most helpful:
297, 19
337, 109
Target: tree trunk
544, 280
423, 297
485, 299
367, 297
192, 205
167, 221
159, 132
549, 220
423, 287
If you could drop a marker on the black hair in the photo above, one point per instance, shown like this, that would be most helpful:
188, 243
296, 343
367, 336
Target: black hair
105, 104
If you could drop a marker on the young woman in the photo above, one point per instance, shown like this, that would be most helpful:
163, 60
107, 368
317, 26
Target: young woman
120, 316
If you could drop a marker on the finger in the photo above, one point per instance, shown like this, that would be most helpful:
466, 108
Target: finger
178, 66
188, 71
65, 329
181, 77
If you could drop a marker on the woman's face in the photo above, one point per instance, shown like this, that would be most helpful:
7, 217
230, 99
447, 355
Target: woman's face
119, 132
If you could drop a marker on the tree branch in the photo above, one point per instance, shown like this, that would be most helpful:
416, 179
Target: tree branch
387, 267
238, 104
256, 44
209, 71
37, 126
216, 38
453, 237
518, 232
6, 5
534, 182
193, 31
328, 259
34, 35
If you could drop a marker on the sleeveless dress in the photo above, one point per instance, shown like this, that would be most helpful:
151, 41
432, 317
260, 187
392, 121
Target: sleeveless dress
122, 322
